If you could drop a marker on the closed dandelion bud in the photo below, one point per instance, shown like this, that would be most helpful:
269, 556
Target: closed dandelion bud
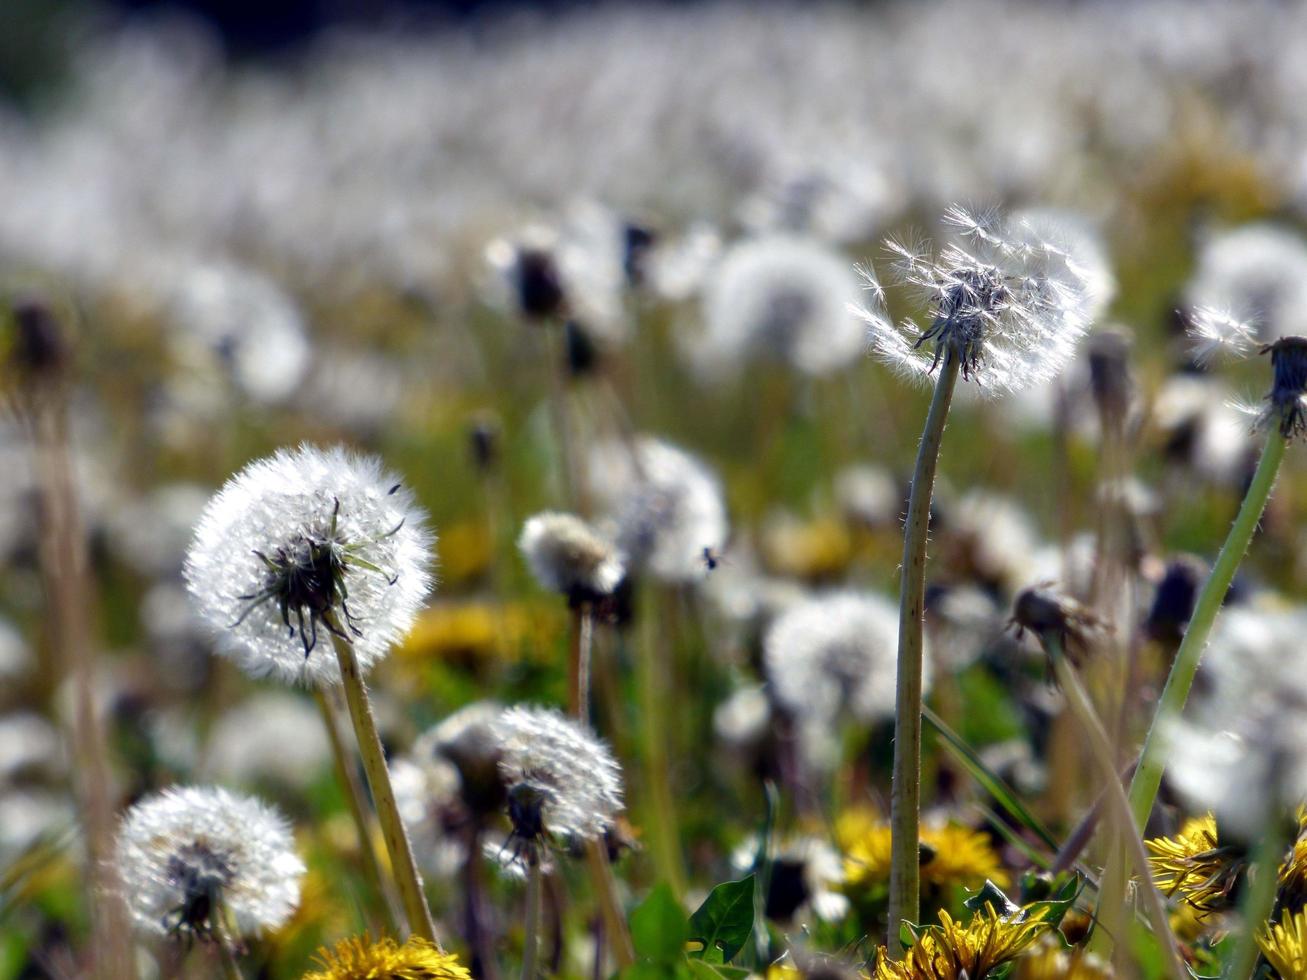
1173, 600
1109, 376
563, 783
1289, 388
303, 544
1051, 614
36, 345
197, 860
385, 959
567, 556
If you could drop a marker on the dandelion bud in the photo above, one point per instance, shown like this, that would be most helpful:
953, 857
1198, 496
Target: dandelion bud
1173, 600
35, 346
197, 859
566, 555
304, 544
1048, 613
1109, 377
539, 285
1289, 363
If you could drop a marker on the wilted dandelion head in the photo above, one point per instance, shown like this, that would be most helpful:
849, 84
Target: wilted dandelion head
783, 297
664, 506
187, 855
1054, 616
563, 782
1009, 305
385, 959
831, 654
567, 555
301, 544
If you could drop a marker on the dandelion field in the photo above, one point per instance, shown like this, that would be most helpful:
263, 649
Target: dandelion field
693, 492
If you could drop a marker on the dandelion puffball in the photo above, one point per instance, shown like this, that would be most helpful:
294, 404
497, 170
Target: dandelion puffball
303, 542
567, 555
186, 852
1007, 303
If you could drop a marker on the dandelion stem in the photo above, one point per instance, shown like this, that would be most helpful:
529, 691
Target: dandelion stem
582, 644
531, 939
905, 803
402, 864
661, 822
610, 908
1259, 901
1101, 749
222, 936
364, 822
1148, 777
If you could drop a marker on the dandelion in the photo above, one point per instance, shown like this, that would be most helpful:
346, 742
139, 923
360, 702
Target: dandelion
782, 297
663, 505
1008, 305
1216, 334
1195, 865
1284, 944
1257, 272
200, 861
1050, 959
950, 855
385, 959
1008, 309
951, 951
803, 873
272, 738
305, 544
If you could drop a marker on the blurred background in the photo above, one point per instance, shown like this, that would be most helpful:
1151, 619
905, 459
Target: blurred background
335, 221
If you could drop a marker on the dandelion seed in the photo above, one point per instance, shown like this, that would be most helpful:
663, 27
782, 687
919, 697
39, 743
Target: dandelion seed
189, 855
563, 783
781, 297
302, 544
1217, 334
385, 959
566, 555
1010, 305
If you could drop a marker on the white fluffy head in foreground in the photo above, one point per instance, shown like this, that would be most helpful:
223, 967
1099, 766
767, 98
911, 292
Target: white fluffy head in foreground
184, 851
302, 540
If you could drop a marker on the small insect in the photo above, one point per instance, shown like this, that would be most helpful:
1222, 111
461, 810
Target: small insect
711, 558
306, 577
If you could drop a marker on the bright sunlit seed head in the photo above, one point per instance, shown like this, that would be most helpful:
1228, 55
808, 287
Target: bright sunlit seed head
567, 555
1006, 303
563, 782
187, 855
303, 544
1217, 333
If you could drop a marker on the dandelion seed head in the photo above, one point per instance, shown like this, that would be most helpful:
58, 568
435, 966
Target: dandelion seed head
1007, 303
1258, 273
567, 555
662, 506
573, 782
272, 737
181, 851
781, 297
266, 540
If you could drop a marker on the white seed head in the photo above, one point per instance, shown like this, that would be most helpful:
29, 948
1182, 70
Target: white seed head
567, 555
782, 297
1215, 333
578, 781
1258, 273
663, 505
426, 791
831, 655
180, 851
274, 737
1009, 304
300, 535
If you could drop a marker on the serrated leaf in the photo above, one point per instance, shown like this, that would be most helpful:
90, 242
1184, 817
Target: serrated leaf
659, 927
724, 922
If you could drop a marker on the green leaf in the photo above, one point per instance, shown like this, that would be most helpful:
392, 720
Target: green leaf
701, 970
991, 894
658, 926
724, 922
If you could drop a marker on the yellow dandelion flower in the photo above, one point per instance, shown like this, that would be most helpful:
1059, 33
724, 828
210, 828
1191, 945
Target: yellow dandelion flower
950, 854
1195, 865
1293, 877
950, 951
472, 633
363, 959
1285, 945
812, 550
1048, 959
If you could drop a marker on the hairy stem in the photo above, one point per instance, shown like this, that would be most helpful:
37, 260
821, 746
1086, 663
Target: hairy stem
1101, 750
402, 865
905, 802
364, 821
531, 938
1152, 761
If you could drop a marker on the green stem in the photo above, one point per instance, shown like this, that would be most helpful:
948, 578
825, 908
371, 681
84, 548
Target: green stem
582, 645
531, 940
610, 907
402, 865
661, 823
1259, 901
364, 824
1148, 777
905, 802
1101, 749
